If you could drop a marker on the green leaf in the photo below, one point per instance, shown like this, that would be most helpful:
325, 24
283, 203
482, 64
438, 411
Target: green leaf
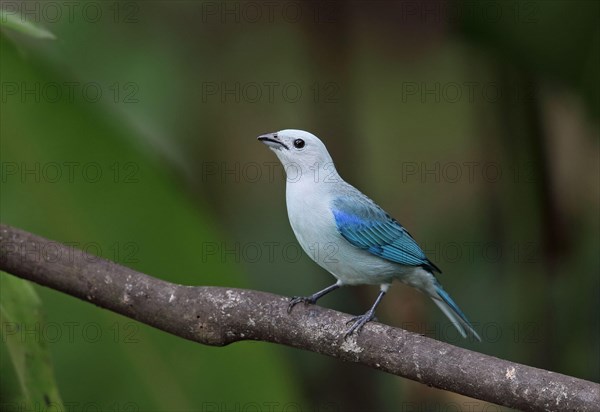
21, 320
19, 23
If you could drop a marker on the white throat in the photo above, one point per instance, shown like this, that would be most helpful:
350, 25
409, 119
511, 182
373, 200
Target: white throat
316, 173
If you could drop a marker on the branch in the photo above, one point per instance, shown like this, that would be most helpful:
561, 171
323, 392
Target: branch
219, 316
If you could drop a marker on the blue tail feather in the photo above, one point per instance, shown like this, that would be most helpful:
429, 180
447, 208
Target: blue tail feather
456, 316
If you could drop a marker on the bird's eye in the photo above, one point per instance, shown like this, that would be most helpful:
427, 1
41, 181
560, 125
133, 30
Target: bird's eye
298, 143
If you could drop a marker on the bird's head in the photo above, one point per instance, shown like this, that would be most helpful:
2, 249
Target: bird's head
298, 150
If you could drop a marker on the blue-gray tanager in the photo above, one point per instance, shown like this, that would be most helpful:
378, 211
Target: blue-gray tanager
349, 235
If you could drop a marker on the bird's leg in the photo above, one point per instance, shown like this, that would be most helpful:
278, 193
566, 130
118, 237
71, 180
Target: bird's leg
312, 299
361, 320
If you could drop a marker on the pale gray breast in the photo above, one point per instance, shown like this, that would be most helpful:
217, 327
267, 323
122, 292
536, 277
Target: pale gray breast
312, 220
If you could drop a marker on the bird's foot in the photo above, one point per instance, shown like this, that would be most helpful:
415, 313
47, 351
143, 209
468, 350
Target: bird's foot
307, 300
359, 322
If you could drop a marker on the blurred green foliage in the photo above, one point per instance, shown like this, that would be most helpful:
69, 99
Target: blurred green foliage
14, 21
30, 359
132, 136
122, 205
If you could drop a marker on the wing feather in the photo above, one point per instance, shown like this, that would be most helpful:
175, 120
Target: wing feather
365, 225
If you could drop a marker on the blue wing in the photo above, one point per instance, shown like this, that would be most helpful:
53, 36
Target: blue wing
365, 225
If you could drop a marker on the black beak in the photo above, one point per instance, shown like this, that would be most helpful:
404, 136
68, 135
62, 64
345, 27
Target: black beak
271, 139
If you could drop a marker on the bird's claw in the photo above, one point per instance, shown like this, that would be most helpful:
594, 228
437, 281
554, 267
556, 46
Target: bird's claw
359, 322
300, 299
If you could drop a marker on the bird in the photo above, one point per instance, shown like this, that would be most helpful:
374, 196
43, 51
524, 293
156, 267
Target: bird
348, 234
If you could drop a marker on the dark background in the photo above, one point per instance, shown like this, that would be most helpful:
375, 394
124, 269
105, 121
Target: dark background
132, 135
